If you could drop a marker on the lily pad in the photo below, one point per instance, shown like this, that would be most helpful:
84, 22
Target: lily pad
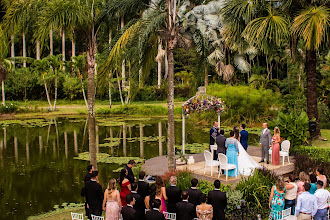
27, 123
146, 139
110, 144
106, 158
194, 148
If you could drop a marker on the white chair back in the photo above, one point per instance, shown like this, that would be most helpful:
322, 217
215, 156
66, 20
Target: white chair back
95, 217
222, 159
285, 146
77, 216
207, 156
170, 216
286, 213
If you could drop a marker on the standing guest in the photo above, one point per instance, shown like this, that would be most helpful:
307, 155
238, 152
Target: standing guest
232, 153
155, 213
276, 199
322, 197
185, 209
139, 201
94, 195
194, 194
214, 132
88, 176
150, 197
218, 200
128, 212
276, 147
313, 179
173, 194
291, 194
204, 211
321, 176
143, 187
303, 177
125, 186
128, 167
221, 143
244, 137
161, 193
237, 134
111, 202
306, 204
265, 143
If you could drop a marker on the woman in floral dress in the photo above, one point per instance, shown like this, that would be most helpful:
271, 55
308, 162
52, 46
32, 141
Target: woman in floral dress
276, 199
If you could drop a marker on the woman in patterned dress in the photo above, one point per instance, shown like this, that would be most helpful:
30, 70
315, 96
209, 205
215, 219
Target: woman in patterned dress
276, 199
204, 211
112, 201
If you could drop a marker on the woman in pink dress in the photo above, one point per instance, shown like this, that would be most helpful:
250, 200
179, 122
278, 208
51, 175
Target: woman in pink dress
303, 177
276, 147
125, 186
161, 193
321, 176
112, 201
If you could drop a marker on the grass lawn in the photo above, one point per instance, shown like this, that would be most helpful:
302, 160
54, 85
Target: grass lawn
61, 214
320, 143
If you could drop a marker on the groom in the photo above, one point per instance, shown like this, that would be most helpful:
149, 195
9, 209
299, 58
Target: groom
265, 142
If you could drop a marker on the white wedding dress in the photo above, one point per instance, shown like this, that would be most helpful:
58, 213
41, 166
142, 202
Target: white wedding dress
246, 165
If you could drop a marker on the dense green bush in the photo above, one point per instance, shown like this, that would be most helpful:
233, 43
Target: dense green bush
11, 108
245, 103
318, 153
234, 198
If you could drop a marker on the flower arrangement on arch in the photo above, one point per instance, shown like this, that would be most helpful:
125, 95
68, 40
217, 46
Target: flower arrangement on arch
203, 103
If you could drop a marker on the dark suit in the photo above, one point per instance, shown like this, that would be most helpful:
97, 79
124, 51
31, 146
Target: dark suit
94, 197
218, 200
130, 175
139, 205
221, 141
173, 194
143, 189
185, 211
88, 177
128, 213
194, 198
83, 191
244, 139
154, 215
216, 131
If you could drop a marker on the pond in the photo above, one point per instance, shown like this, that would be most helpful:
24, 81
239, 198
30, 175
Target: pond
36, 157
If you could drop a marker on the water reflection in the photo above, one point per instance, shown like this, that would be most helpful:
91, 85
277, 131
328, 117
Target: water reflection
141, 141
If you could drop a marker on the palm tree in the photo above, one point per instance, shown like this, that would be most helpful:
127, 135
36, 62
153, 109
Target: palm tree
57, 65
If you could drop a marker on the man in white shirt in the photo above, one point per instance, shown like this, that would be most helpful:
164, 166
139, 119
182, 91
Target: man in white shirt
322, 196
306, 204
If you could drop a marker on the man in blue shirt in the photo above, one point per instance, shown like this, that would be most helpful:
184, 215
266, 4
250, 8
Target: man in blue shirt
214, 132
306, 204
244, 137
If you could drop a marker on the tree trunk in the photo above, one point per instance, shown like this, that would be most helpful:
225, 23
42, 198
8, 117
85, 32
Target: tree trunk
63, 44
91, 101
24, 49
206, 76
110, 84
12, 48
55, 99
38, 50
47, 94
51, 41
83, 89
73, 44
159, 73
166, 64
3, 92
121, 96
123, 75
311, 90
140, 77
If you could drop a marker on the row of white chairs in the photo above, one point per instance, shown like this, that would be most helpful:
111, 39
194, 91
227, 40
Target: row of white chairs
285, 148
80, 216
222, 162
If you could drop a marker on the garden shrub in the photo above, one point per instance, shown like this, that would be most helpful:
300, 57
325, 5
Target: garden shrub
11, 108
234, 198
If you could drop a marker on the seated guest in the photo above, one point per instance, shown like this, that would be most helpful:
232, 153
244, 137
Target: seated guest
150, 197
194, 194
128, 212
218, 200
143, 187
185, 209
128, 167
322, 197
139, 202
291, 194
204, 211
155, 214
313, 183
173, 195
306, 204
94, 195
321, 176
303, 177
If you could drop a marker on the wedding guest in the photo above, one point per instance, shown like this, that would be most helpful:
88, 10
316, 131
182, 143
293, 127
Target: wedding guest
204, 211
128, 167
214, 132
218, 200
125, 186
265, 143
128, 212
276, 199
313, 181
161, 193
88, 176
276, 147
303, 177
112, 202
94, 195
139, 201
185, 209
306, 204
143, 187
232, 153
244, 137
237, 134
155, 213
221, 142
194, 194
173, 194
291, 194
321, 176
322, 197
150, 197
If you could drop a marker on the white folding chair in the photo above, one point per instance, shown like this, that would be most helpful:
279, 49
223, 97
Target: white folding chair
213, 148
209, 162
170, 216
77, 216
224, 165
95, 217
285, 147
286, 213
270, 151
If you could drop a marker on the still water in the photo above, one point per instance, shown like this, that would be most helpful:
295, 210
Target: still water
36, 157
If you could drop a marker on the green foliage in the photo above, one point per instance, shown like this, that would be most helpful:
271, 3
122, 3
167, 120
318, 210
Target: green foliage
234, 198
71, 86
27, 122
11, 108
184, 179
106, 158
206, 186
194, 148
293, 127
64, 208
147, 110
316, 153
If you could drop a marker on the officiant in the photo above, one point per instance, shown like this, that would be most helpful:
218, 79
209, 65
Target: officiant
214, 132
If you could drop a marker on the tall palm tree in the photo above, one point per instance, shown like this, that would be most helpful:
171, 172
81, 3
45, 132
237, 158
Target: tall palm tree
57, 65
5, 65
